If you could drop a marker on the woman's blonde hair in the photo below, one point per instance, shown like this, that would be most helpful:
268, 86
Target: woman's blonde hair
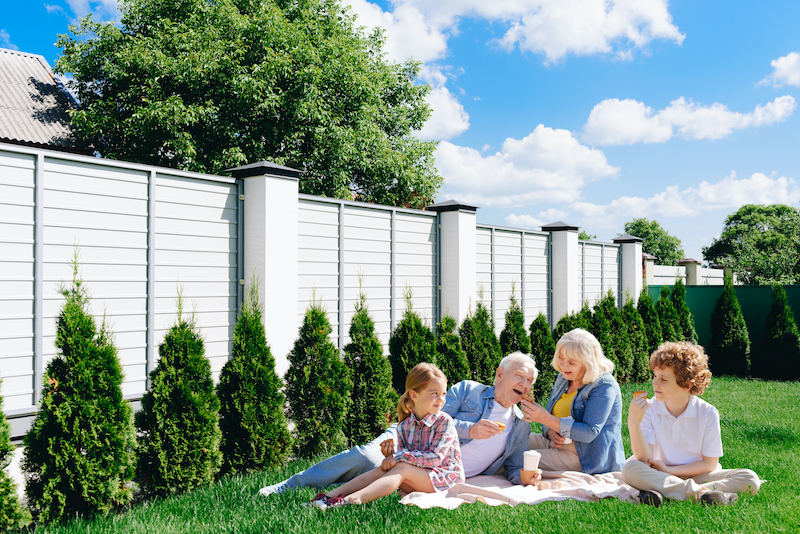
417, 378
584, 347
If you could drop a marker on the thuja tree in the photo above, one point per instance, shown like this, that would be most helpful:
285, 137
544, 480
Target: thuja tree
543, 348
602, 330
178, 424
513, 337
729, 348
450, 355
567, 323
79, 449
584, 316
411, 342
373, 398
317, 387
617, 335
778, 357
11, 514
652, 326
637, 336
481, 344
255, 432
685, 318
667, 317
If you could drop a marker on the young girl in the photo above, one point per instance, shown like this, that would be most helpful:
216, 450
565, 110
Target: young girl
429, 458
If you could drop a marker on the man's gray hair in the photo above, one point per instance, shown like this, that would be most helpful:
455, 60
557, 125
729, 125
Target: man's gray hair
518, 358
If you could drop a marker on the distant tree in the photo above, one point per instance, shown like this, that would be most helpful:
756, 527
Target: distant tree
317, 387
585, 236
178, 424
778, 357
670, 322
450, 355
652, 326
255, 432
760, 244
373, 398
657, 241
481, 344
729, 348
543, 348
685, 318
513, 337
411, 342
637, 336
12, 516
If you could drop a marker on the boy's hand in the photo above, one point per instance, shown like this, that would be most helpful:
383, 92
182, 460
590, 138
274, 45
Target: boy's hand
387, 447
637, 408
388, 463
658, 465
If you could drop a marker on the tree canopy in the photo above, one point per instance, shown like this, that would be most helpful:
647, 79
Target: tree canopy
760, 243
657, 241
206, 85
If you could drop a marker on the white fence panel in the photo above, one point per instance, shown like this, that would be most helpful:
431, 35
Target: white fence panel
416, 265
665, 275
592, 272
611, 275
483, 267
537, 277
711, 277
507, 273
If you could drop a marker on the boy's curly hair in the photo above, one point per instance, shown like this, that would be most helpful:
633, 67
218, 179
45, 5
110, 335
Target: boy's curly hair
688, 361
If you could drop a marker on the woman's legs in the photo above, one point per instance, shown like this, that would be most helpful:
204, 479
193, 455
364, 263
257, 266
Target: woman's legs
403, 475
554, 459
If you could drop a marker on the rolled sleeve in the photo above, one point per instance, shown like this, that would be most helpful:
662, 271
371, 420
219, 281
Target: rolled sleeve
599, 405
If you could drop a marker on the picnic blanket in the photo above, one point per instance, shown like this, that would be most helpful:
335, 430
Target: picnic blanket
495, 490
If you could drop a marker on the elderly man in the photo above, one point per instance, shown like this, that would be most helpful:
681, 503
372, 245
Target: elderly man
491, 430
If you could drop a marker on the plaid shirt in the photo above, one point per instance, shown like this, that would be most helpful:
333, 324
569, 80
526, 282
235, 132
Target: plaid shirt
432, 443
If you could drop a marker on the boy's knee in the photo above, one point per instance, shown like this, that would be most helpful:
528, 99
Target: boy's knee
631, 466
752, 480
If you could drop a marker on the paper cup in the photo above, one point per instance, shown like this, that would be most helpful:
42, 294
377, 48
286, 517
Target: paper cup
526, 476
567, 441
531, 460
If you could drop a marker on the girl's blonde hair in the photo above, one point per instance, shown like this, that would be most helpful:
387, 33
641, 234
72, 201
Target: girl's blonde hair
417, 378
584, 347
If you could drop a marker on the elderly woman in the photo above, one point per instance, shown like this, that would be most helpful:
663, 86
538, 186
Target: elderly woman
581, 426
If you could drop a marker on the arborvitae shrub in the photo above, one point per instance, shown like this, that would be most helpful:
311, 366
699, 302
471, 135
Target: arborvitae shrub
513, 337
566, 324
652, 326
670, 324
373, 398
543, 348
255, 432
601, 328
729, 348
79, 450
778, 357
685, 318
481, 344
178, 424
411, 342
450, 355
317, 387
11, 514
637, 336
584, 317
618, 331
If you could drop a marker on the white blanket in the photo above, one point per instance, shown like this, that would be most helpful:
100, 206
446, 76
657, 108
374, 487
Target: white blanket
496, 490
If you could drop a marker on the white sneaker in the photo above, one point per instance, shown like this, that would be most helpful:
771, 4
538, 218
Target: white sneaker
275, 488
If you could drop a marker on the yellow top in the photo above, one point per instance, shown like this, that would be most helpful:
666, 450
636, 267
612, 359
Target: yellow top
562, 406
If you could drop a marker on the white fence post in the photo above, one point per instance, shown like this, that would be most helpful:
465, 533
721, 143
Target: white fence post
566, 296
270, 249
631, 252
693, 275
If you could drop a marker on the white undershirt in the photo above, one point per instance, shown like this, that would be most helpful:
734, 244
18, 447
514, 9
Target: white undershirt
479, 454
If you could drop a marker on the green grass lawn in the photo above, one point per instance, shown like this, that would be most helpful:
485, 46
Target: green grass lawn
759, 430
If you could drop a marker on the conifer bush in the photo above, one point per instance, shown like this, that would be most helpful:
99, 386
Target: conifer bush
685, 318
411, 342
729, 348
513, 337
317, 388
637, 336
255, 432
481, 344
601, 329
584, 317
617, 334
543, 348
374, 401
652, 326
178, 424
566, 323
778, 357
668, 318
450, 355
11, 513
79, 450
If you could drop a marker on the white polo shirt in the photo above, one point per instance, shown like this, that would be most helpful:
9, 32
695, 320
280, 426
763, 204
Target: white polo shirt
686, 438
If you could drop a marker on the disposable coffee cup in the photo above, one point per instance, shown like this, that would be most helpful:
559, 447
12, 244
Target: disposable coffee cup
531, 460
567, 441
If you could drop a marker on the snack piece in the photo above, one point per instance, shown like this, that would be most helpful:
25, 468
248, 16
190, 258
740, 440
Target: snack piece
530, 396
543, 485
501, 425
637, 393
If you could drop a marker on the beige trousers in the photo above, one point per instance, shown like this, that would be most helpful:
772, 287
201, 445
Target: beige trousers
553, 459
643, 477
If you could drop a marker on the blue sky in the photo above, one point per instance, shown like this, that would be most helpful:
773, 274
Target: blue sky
591, 112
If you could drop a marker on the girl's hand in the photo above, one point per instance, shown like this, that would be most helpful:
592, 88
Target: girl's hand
484, 429
388, 463
387, 447
532, 411
556, 438
637, 408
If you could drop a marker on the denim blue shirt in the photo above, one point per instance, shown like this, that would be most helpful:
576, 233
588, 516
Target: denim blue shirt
467, 403
595, 423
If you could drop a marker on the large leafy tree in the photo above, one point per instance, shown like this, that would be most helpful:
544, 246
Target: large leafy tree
761, 244
657, 241
205, 85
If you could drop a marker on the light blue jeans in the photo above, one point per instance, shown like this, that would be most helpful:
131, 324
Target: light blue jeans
344, 466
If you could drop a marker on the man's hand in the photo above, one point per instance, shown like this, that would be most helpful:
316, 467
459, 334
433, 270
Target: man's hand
484, 429
388, 463
555, 438
387, 447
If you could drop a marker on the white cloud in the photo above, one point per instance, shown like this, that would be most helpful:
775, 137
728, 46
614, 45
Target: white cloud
101, 10
625, 122
5, 41
785, 71
448, 119
53, 9
524, 221
549, 165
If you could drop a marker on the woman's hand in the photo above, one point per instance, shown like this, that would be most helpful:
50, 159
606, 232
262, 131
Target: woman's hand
533, 412
388, 463
484, 429
555, 438
387, 447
